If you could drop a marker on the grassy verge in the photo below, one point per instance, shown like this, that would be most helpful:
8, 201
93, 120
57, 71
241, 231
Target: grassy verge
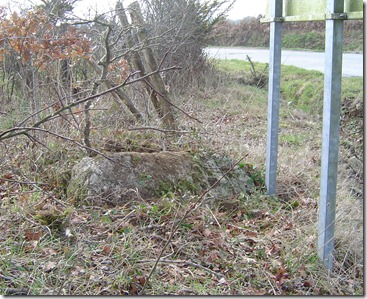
307, 40
251, 32
252, 244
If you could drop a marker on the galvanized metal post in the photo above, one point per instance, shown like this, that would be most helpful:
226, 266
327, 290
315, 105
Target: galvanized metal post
274, 94
330, 135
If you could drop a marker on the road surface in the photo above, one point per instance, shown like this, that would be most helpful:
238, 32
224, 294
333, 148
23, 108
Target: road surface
352, 63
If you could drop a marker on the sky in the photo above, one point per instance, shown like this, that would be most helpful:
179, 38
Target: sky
240, 10
245, 8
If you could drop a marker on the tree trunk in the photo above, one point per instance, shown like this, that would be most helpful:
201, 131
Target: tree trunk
135, 60
151, 65
118, 93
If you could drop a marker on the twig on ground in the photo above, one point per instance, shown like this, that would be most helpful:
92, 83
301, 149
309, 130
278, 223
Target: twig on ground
21, 182
215, 218
35, 184
37, 224
159, 130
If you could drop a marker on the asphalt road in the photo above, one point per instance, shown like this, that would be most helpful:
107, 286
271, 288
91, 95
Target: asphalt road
352, 63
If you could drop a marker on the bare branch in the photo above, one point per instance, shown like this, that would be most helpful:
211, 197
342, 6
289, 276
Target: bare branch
26, 130
16, 131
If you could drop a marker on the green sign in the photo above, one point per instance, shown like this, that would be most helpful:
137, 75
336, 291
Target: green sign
315, 10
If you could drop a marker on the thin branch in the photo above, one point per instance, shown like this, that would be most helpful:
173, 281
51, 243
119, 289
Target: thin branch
23, 130
20, 182
47, 193
159, 130
35, 140
215, 218
37, 112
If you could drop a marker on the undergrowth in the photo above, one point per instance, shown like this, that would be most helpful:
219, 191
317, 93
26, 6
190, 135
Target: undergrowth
250, 244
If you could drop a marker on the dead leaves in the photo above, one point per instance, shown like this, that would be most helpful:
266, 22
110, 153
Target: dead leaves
207, 232
31, 36
136, 285
6, 177
240, 253
51, 265
32, 235
281, 276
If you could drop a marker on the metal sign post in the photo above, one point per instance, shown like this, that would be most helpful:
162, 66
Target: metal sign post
330, 135
333, 12
274, 95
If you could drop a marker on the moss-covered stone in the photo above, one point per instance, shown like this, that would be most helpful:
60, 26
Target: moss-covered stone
99, 181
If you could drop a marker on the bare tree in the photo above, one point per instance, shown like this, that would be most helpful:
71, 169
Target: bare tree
182, 29
64, 62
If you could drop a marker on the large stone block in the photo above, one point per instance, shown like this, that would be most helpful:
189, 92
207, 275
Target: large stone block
131, 175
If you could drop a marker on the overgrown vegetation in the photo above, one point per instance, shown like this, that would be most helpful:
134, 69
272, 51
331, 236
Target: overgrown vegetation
249, 244
182, 29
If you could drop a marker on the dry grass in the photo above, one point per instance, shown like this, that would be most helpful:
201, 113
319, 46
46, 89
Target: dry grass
249, 245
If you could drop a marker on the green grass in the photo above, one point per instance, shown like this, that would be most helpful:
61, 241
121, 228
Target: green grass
291, 139
308, 40
237, 65
300, 88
